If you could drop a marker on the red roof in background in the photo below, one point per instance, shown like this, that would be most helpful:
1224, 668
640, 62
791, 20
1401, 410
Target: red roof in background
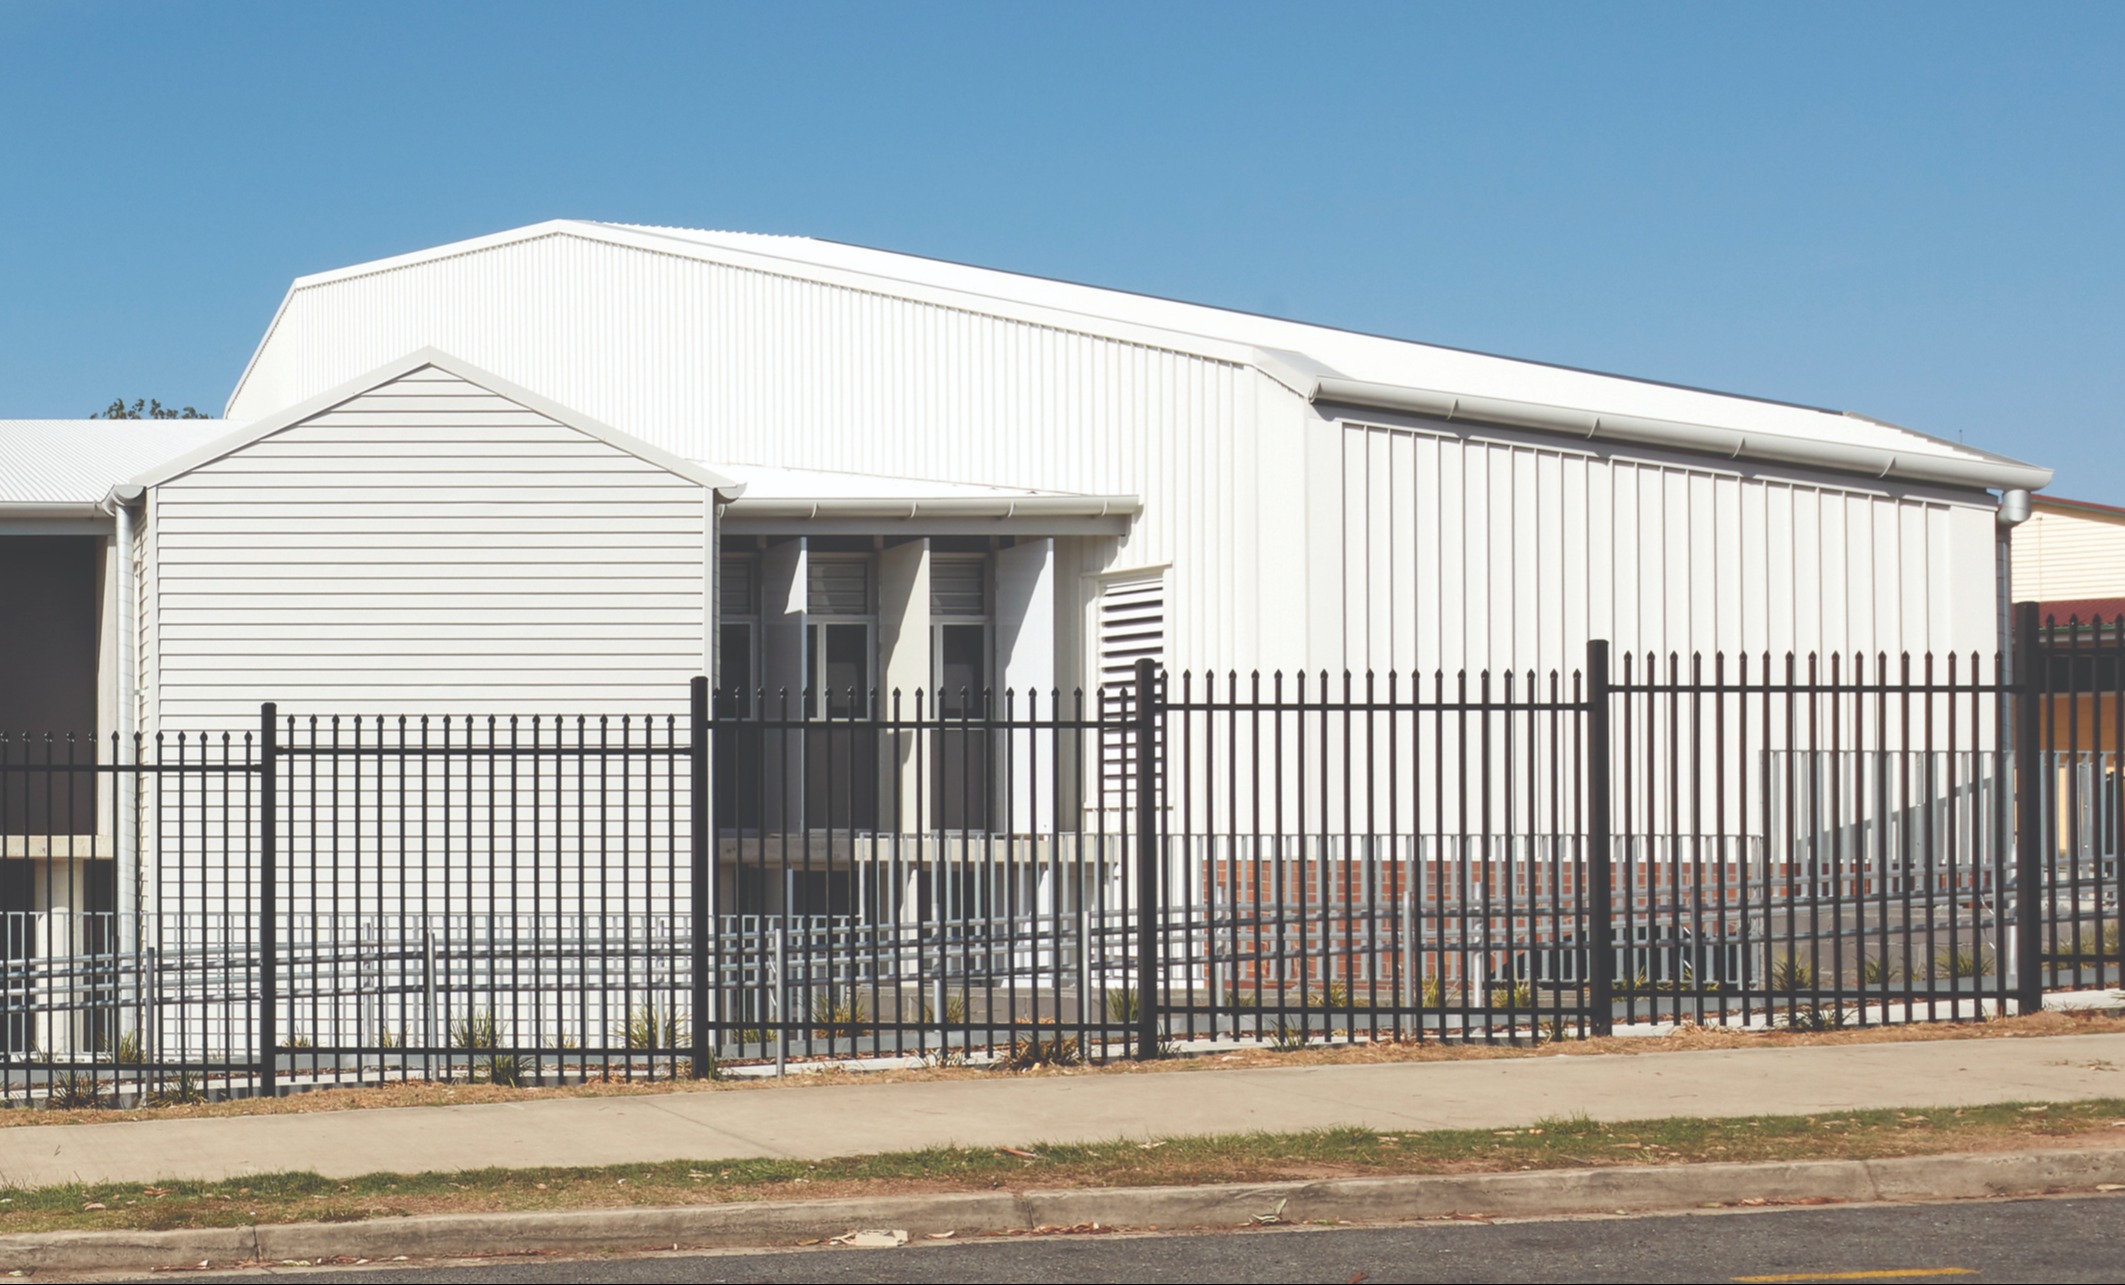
2082, 609
2060, 501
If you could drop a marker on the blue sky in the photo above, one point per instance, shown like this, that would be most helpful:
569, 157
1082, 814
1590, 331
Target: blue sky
1916, 211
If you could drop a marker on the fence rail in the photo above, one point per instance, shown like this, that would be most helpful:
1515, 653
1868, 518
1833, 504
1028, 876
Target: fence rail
1511, 857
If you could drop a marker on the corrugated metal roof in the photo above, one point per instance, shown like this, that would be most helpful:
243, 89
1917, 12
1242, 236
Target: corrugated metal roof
1198, 329
77, 461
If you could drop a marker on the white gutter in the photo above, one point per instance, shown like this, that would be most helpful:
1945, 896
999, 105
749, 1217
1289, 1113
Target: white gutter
1987, 470
63, 511
956, 506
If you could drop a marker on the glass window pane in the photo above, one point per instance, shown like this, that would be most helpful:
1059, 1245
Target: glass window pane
962, 668
734, 669
846, 673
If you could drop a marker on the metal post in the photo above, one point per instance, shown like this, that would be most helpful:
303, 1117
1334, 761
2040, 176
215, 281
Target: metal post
781, 1001
2028, 811
268, 899
703, 874
1150, 901
1600, 874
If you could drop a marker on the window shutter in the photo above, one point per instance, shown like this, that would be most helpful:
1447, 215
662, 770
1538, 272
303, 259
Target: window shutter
1132, 627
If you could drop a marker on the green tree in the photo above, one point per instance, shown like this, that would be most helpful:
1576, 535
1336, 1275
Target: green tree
147, 409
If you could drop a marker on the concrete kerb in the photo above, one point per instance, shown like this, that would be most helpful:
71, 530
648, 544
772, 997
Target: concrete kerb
1356, 1200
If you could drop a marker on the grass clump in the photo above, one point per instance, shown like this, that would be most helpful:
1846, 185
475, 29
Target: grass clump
1961, 963
838, 1014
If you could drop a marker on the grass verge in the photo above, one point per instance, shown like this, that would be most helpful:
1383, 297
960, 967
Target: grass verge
1334, 1153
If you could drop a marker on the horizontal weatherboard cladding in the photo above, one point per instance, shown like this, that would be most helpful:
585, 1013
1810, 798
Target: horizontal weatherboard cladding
426, 548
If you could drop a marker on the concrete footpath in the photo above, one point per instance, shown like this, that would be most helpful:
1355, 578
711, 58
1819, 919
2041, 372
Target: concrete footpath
801, 1121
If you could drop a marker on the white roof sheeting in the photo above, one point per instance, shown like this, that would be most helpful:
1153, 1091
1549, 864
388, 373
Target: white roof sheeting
1350, 355
74, 462
1318, 362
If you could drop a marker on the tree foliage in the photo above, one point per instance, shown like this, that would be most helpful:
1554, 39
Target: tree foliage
143, 408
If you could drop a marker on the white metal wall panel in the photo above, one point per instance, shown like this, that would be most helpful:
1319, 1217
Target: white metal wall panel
1487, 553
2061, 555
736, 365
425, 548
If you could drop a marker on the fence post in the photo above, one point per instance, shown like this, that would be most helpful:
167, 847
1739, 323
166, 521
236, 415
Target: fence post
1600, 872
1150, 898
703, 836
268, 901
2029, 864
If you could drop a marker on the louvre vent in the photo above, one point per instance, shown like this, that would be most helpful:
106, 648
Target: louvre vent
1132, 627
838, 587
958, 587
736, 589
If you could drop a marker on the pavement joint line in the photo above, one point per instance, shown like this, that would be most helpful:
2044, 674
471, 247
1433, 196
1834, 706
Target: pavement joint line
1399, 1199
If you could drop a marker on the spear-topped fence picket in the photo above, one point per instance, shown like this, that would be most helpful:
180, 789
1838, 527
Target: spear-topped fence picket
1183, 861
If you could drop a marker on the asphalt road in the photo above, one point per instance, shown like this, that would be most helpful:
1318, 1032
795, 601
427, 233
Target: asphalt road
2076, 1239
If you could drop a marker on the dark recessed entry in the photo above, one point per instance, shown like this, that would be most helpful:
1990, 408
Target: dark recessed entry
48, 632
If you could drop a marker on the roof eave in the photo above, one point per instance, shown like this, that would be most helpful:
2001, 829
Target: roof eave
1982, 471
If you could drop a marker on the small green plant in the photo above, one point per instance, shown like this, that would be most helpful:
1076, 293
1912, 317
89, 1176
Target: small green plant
1288, 1037
2099, 944
505, 1071
1512, 995
1552, 1031
955, 1011
1436, 994
1636, 984
1957, 964
1030, 1051
74, 1090
1825, 1017
649, 1028
475, 1030
129, 1051
1876, 970
183, 1090
296, 1040
1335, 996
1790, 975
839, 1015
1240, 1001
386, 1038
1122, 1008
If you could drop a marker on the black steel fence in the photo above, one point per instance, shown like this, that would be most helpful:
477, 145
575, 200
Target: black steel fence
1026, 878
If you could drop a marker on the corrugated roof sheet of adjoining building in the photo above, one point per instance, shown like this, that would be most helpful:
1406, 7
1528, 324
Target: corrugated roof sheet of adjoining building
78, 461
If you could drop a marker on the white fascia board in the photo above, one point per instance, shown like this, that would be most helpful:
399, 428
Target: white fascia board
1973, 469
724, 487
954, 506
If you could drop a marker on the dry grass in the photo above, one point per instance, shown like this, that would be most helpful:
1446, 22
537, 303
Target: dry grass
306, 1197
1311, 1054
